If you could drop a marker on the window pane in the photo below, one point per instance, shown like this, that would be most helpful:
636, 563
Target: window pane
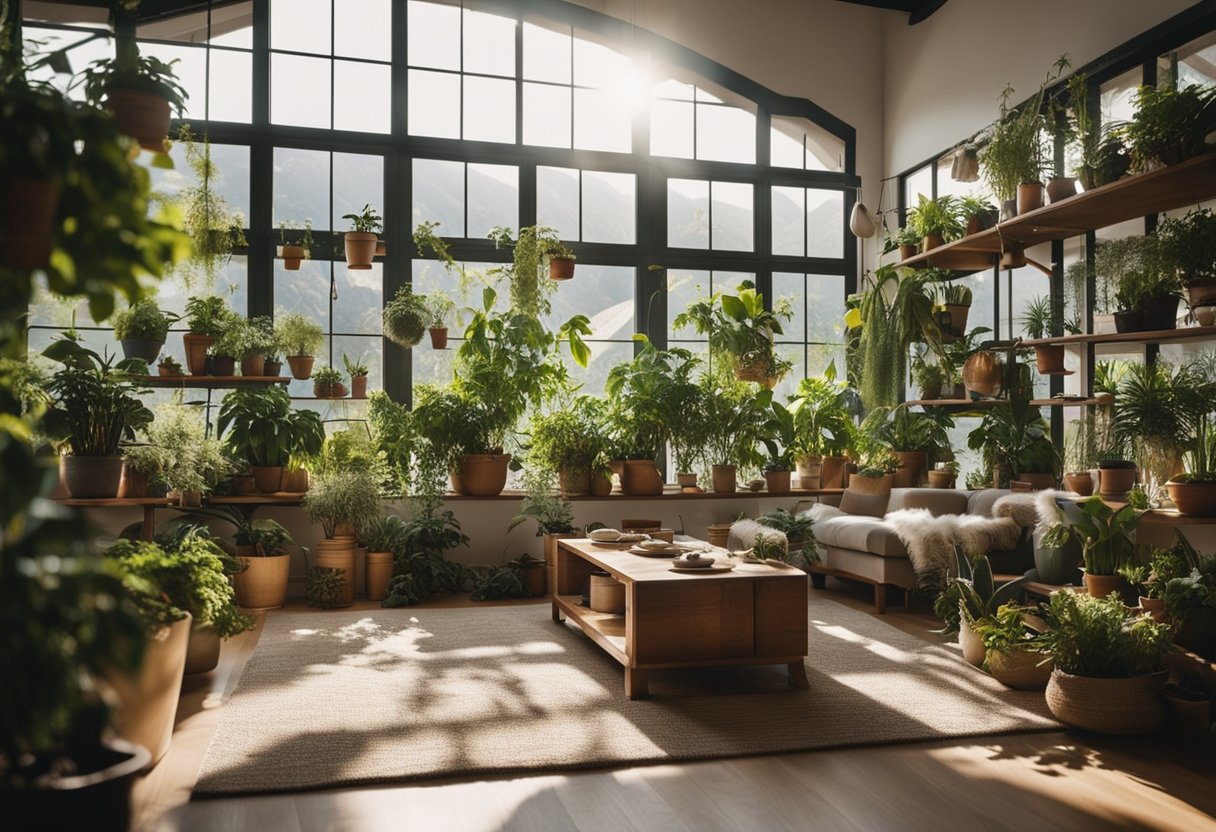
231, 25
299, 91
546, 115
364, 93
785, 148
547, 53
1195, 63
602, 121
191, 70
300, 26
789, 135
371, 351
918, 182
685, 287
439, 195
301, 188
358, 180
825, 309
824, 223
1118, 96
434, 35
489, 109
609, 207
79, 57
434, 104
671, 129
231, 72
305, 291
792, 287
493, 198
363, 29
606, 298
597, 65
789, 213
674, 90
357, 309
489, 44
733, 216
557, 200
687, 213
726, 134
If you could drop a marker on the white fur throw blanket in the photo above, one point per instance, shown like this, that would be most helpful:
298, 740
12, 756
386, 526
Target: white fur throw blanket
743, 535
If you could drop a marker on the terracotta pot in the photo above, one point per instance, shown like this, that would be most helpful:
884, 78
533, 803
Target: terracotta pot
1116, 482
1108, 706
439, 337
1154, 607
906, 251
1205, 315
686, 480
196, 352
358, 387
141, 115
871, 485
381, 248
379, 573
971, 642
1030, 197
1200, 293
561, 268
295, 480
134, 484
91, 477
267, 479
911, 464
147, 702
957, 315
1159, 313
145, 349
301, 366
1020, 669
360, 249
292, 256
164, 371
27, 215
809, 468
718, 534
983, 374
940, 479
929, 392
777, 482
831, 472
725, 479
601, 485
1050, 359
1193, 499
1060, 188
974, 226
574, 481
931, 241
202, 649
100, 790
339, 553
483, 475
641, 477
272, 369
1080, 482
263, 584
220, 366
189, 499
244, 486
1099, 586
253, 365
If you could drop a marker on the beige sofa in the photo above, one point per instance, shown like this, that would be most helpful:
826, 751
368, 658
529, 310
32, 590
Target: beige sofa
863, 547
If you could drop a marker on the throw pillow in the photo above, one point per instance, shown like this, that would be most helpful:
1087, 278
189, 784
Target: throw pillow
874, 505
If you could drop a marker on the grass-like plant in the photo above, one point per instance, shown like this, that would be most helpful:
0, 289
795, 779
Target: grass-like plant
340, 498
298, 335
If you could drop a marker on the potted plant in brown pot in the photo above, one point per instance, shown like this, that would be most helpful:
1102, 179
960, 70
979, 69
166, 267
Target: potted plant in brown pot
935, 221
1193, 492
342, 501
299, 338
141, 329
1014, 651
1106, 537
914, 438
327, 383
567, 441
207, 318
140, 90
741, 331
876, 475
1036, 322
357, 370
259, 425
168, 367
361, 241
439, 309
734, 418
257, 341
944, 474
224, 351
977, 214
293, 248
261, 581
1188, 246
385, 538
778, 435
189, 463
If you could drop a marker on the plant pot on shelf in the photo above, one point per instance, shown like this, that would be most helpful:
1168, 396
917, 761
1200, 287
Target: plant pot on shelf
907, 250
439, 337
777, 482
931, 241
574, 481
832, 470
956, 317
1060, 188
91, 477
1154, 607
360, 249
358, 387
1131, 705
189, 499
929, 392
1159, 313
640, 477
1099, 586
272, 368
338, 553
268, 479
871, 486
145, 349
1105, 325
379, 573
133, 485
263, 583
600, 485
1116, 480
202, 649
253, 365
381, 248
911, 463
1193, 499
561, 268
27, 215
686, 480
1009, 209
1030, 197
301, 366
481, 475
218, 365
141, 115
809, 468
292, 257
98, 789
196, 352
244, 486
940, 479
1129, 320
1013, 255
147, 701
1020, 668
1049, 358
725, 479
1079, 482
1200, 293
295, 480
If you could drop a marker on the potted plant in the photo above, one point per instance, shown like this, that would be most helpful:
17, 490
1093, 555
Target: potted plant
1155, 415
463, 438
357, 370
532, 266
1037, 323
261, 582
894, 311
207, 318
1171, 124
1190, 597
778, 435
186, 460
361, 241
344, 503
930, 376
141, 328
823, 429
1188, 246
406, 317
299, 338
905, 241
976, 214
944, 474
1015, 443
876, 474
1146, 289
1014, 652
734, 419
224, 351
438, 304
257, 340
439, 308
1103, 156
741, 332
567, 441
953, 305
294, 253
1194, 491
94, 406
935, 221
1106, 538
139, 90
215, 228
914, 438
267, 432
327, 383
168, 367
1109, 664
385, 538
970, 598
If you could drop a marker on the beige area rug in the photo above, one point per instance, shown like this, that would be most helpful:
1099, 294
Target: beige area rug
389, 696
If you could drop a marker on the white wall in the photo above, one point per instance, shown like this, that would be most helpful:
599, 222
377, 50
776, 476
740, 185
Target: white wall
942, 78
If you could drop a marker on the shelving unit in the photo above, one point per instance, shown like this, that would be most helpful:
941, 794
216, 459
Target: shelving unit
149, 505
1157, 336
213, 382
984, 404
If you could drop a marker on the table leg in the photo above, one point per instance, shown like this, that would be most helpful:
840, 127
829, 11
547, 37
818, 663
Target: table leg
637, 683
148, 529
557, 613
798, 679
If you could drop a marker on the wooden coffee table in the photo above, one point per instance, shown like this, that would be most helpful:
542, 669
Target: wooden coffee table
755, 614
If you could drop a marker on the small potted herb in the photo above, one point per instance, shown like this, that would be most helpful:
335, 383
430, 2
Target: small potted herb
1014, 652
206, 319
141, 329
929, 377
294, 253
976, 214
327, 383
439, 307
299, 338
224, 351
362, 240
954, 307
876, 474
168, 367
256, 340
935, 221
357, 370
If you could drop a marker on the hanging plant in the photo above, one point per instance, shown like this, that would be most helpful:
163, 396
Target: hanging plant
406, 318
215, 229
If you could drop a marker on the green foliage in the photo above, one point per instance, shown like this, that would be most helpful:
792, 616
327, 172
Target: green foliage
1036, 319
1014, 437
1134, 268
971, 591
420, 570
323, 587
1189, 592
179, 453
387, 533
215, 228
141, 320
406, 317
208, 315
1188, 244
267, 537
895, 312
367, 221
1015, 152
735, 418
322, 376
903, 429
741, 330
298, 335
1105, 534
493, 583
822, 424
257, 337
803, 547
1170, 124
392, 431
133, 72
530, 286
553, 515
570, 438
1006, 630
265, 430
95, 403
355, 368
1099, 637
654, 398
940, 217
337, 498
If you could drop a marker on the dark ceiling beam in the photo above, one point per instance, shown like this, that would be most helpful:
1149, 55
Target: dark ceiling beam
917, 10
923, 10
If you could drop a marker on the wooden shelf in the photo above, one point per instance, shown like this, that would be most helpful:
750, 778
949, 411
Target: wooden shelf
605, 629
984, 404
213, 382
671, 492
1165, 189
1159, 336
277, 499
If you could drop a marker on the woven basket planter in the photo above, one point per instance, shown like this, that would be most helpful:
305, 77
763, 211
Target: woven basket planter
1108, 706
1019, 669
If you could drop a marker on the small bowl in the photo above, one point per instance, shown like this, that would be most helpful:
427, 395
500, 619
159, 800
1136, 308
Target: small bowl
694, 561
605, 535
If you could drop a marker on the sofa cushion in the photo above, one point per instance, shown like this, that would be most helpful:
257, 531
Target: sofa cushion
870, 505
938, 501
980, 502
865, 534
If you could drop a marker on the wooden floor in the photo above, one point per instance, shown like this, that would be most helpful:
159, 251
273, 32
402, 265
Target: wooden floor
1058, 781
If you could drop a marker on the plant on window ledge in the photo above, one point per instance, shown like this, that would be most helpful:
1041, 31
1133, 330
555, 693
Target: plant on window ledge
362, 241
294, 252
741, 331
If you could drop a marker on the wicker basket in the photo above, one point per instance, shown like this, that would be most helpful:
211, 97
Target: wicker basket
1019, 669
1108, 706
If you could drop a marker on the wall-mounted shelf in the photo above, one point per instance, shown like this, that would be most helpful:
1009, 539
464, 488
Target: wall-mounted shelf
1159, 336
984, 404
213, 382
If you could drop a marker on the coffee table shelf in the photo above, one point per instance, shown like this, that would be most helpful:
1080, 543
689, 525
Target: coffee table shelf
604, 628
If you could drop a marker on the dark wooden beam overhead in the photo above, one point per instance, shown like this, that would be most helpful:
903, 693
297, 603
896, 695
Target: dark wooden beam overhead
917, 10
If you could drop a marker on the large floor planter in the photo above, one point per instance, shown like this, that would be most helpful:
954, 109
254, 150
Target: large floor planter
911, 463
379, 572
147, 702
871, 486
202, 650
725, 479
91, 477
141, 115
267, 479
339, 553
100, 792
831, 472
481, 475
640, 477
196, 352
1193, 499
777, 482
1133, 705
263, 584
1020, 669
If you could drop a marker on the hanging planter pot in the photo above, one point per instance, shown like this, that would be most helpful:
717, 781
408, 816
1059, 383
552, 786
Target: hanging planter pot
196, 352
1013, 255
292, 257
146, 350
141, 115
561, 268
1060, 188
983, 374
360, 249
27, 218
